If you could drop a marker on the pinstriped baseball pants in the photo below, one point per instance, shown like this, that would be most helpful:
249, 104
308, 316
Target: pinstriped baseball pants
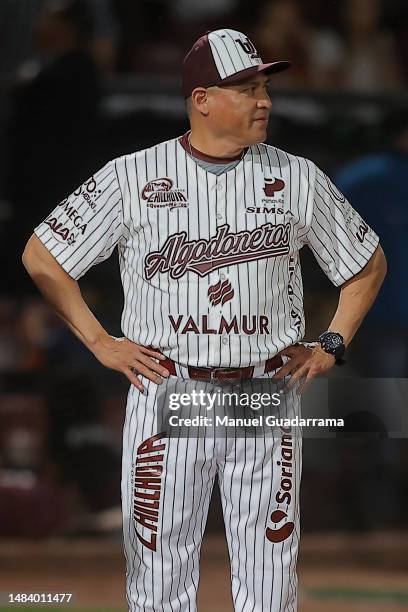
167, 483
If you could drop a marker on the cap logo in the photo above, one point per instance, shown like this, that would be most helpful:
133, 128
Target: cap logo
247, 46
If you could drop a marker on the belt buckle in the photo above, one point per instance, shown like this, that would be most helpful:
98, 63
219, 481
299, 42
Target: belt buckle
216, 371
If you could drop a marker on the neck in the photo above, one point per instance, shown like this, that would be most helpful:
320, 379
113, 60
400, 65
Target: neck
214, 147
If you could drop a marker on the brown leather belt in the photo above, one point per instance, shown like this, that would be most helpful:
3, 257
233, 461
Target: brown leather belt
222, 374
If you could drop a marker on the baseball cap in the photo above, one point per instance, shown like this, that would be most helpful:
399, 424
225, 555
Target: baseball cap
222, 57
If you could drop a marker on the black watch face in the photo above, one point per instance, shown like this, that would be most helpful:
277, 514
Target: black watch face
332, 343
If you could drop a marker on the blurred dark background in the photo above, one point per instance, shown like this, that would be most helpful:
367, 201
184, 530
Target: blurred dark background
85, 81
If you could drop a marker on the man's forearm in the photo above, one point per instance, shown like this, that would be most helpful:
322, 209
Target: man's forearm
62, 292
357, 296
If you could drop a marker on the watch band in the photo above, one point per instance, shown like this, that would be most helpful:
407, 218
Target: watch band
333, 344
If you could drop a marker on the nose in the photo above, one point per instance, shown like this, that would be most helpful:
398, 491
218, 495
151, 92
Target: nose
264, 102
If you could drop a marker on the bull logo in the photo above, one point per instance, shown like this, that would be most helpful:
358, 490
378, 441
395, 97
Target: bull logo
161, 184
282, 533
220, 293
273, 185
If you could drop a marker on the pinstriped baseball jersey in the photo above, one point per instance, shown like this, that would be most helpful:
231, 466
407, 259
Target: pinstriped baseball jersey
210, 264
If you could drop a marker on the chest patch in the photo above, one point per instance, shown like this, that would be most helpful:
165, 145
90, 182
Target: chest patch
161, 193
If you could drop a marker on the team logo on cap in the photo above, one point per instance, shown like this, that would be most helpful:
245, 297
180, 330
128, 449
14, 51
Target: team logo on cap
248, 47
160, 193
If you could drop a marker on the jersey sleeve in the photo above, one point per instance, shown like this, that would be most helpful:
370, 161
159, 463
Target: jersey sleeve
84, 229
341, 241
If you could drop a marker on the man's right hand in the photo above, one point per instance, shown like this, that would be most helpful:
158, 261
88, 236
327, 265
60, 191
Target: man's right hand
130, 358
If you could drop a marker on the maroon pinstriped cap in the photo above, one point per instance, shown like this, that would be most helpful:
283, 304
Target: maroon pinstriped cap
222, 57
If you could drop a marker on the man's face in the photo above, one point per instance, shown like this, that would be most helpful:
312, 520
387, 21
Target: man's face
241, 111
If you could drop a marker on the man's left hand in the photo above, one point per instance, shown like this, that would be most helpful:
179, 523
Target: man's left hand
304, 364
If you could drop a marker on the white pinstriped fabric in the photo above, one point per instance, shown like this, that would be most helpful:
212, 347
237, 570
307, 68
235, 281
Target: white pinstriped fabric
263, 574
229, 56
171, 309
183, 234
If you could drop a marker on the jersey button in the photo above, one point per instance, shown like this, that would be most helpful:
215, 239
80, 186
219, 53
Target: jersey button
222, 276
219, 216
225, 340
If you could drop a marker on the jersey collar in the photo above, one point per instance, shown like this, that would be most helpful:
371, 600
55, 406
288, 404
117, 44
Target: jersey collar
183, 140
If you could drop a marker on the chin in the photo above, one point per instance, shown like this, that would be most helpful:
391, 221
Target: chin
257, 136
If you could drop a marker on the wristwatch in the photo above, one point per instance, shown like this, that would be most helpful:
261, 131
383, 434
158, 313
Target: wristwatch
333, 343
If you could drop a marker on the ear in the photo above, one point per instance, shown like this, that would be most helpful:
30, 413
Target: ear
199, 100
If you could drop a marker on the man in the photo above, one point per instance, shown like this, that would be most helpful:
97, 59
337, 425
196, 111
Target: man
208, 228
